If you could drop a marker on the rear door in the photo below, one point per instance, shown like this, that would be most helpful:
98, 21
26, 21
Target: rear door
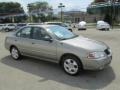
23, 40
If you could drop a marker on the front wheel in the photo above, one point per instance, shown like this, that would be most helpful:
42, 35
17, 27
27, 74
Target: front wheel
15, 53
71, 65
108, 29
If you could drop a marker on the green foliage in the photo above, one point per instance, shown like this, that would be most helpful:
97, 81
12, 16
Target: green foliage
43, 18
10, 8
40, 11
111, 12
97, 1
38, 5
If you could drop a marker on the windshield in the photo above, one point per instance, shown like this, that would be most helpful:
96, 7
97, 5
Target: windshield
60, 24
64, 25
21, 25
11, 25
62, 33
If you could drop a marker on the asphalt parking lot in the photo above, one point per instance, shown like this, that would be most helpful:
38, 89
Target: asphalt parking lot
32, 74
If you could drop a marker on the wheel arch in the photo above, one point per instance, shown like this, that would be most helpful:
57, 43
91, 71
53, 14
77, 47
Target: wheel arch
12, 47
69, 54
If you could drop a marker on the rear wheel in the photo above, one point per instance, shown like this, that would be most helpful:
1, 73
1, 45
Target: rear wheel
15, 53
71, 65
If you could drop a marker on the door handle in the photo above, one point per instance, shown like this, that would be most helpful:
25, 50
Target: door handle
33, 43
16, 40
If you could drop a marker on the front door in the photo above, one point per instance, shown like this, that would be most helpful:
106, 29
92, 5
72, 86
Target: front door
42, 46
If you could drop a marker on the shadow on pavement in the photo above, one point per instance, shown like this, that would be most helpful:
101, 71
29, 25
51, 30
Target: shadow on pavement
50, 71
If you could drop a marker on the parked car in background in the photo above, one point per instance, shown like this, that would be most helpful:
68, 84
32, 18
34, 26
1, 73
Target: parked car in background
82, 25
1, 27
9, 27
57, 44
28, 24
67, 26
73, 25
102, 25
20, 25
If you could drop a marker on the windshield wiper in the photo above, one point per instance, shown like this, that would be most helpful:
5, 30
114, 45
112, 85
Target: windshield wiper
74, 36
64, 38
69, 38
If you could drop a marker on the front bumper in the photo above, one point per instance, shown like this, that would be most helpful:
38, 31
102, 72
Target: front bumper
97, 64
103, 27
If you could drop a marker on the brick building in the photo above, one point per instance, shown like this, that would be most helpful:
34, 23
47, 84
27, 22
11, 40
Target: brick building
77, 16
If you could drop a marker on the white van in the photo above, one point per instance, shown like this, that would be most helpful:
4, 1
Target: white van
82, 25
102, 25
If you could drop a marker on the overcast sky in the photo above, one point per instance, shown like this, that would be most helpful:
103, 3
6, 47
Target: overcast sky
69, 4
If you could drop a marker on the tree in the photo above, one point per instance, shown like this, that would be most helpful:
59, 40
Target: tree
7, 8
97, 1
110, 10
41, 10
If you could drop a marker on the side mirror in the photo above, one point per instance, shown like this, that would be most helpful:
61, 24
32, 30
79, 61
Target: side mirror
50, 40
47, 38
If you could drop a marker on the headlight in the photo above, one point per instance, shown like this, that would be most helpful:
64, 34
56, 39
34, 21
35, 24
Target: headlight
96, 55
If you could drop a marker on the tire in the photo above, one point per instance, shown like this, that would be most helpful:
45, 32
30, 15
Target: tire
7, 30
15, 54
71, 65
108, 29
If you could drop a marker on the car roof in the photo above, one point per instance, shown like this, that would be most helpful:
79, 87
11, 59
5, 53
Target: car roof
43, 26
52, 22
21, 23
2, 24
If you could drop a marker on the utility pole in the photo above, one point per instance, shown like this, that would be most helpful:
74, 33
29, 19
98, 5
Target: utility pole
112, 12
29, 6
13, 19
61, 7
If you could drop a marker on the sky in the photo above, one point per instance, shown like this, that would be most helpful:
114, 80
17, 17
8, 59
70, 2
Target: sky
69, 4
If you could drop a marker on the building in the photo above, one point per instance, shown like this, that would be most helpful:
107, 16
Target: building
77, 16
12, 18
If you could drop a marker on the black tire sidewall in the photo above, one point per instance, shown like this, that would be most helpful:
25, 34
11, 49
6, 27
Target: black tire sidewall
19, 55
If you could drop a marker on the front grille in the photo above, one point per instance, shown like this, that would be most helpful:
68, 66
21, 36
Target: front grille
107, 51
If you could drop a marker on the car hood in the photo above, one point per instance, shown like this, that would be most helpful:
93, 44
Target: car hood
85, 43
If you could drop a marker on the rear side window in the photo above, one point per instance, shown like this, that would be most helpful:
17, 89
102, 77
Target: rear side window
11, 25
21, 25
24, 33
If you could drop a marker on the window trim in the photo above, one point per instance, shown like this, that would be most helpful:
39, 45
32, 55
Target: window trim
40, 28
22, 30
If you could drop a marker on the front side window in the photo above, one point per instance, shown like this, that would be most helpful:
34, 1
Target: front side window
64, 25
24, 33
40, 34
